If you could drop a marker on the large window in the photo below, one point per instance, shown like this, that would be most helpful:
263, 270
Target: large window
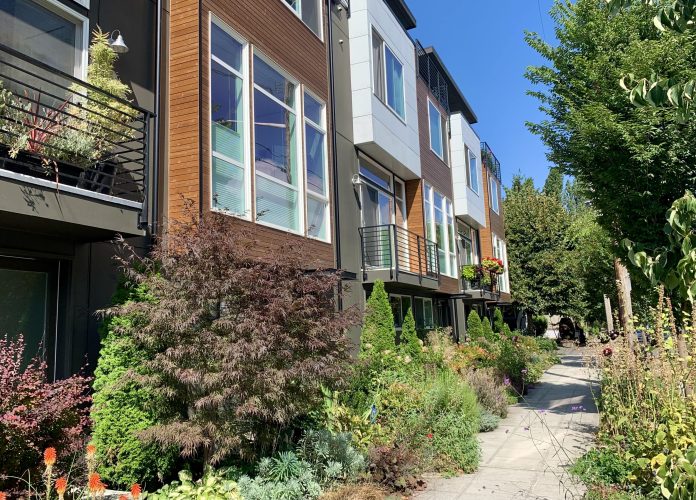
438, 131
309, 11
494, 194
388, 76
228, 129
47, 31
439, 220
468, 241
317, 168
400, 305
500, 252
276, 144
423, 313
472, 172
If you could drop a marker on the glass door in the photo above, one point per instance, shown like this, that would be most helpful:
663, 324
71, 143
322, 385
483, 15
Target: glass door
377, 213
28, 300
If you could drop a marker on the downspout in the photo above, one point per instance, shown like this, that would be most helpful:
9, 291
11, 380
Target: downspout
200, 109
334, 142
158, 117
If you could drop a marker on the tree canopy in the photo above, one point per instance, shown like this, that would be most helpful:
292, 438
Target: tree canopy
633, 161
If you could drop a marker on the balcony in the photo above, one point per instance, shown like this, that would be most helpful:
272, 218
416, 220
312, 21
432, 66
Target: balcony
482, 287
490, 161
393, 254
72, 156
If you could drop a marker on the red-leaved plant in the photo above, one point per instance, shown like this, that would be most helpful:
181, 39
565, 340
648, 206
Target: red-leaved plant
36, 414
240, 340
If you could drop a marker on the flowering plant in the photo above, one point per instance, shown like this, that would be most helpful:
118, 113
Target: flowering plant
493, 265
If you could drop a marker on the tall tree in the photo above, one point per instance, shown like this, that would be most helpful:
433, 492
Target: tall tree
554, 183
634, 161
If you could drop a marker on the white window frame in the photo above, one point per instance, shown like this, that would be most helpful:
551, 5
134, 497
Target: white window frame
246, 113
311, 194
431, 107
298, 13
299, 139
494, 194
426, 326
500, 252
81, 31
429, 210
476, 188
384, 48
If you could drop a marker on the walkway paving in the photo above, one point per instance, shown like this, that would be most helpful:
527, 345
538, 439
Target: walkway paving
527, 457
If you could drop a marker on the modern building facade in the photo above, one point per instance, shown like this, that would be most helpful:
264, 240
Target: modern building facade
61, 206
320, 123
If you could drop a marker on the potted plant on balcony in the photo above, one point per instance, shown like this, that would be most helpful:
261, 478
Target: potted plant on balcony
76, 136
493, 265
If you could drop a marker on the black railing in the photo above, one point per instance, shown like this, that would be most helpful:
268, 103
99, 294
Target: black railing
56, 127
435, 80
483, 283
393, 248
490, 160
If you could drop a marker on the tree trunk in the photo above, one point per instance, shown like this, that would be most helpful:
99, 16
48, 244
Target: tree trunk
625, 308
607, 311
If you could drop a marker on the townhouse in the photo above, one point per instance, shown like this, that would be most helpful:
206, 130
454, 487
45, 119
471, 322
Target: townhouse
315, 122
74, 167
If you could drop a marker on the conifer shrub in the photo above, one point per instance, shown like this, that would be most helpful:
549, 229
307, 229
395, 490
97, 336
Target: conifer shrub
498, 322
410, 343
379, 333
488, 332
473, 326
123, 407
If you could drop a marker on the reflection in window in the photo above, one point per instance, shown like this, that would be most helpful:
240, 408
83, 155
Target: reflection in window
388, 76
317, 168
309, 11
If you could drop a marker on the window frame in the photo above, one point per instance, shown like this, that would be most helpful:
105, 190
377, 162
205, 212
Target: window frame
299, 141
431, 107
383, 94
246, 116
470, 184
493, 183
429, 208
323, 128
298, 13
401, 297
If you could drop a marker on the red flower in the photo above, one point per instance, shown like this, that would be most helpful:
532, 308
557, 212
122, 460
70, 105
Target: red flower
95, 483
430, 435
50, 457
607, 352
91, 450
135, 491
122, 497
61, 486
3, 496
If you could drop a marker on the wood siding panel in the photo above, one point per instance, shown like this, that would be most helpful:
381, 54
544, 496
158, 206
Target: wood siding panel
272, 29
433, 169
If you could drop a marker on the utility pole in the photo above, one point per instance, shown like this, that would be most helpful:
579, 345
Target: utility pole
623, 281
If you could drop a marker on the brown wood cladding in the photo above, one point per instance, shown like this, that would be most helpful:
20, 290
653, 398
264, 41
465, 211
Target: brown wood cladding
273, 30
433, 169
495, 223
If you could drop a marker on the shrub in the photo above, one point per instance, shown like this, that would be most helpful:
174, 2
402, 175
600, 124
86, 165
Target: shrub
122, 407
331, 456
242, 344
410, 343
474, 327
512, 362
36, 414
378, 334
283, 477
506, 330
394, 466
602, 466
490, 392
498, 322
211, 485
488, 332
545, 344
539, 325
489, 422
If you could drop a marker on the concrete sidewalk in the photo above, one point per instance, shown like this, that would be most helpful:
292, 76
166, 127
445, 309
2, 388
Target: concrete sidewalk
527, 457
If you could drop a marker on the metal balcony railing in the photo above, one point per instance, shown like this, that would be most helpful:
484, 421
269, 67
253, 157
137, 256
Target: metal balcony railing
483, 284
490, 160
393, 248
58, 128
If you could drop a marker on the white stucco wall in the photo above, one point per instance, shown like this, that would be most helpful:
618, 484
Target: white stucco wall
377, 129
468, 205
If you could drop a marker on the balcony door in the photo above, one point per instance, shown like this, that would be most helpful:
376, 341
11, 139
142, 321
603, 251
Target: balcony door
28, 305
378, 214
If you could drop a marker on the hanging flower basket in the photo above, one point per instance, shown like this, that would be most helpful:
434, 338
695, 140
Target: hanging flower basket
493, 265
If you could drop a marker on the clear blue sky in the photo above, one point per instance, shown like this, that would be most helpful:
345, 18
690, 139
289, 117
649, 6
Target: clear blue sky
482, 44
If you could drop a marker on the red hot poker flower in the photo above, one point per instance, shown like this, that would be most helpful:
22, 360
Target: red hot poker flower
136, 491
91, 450
94, 483
61, 486
50, 457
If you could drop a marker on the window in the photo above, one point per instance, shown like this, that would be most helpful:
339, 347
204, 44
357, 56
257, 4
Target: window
317, 168
423, 313
309, 11
400, 305
438, 131
500, 252
228, 129
276, 144
468, 240
47, 31
494, 194
439, 220
472, 171
388, 76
